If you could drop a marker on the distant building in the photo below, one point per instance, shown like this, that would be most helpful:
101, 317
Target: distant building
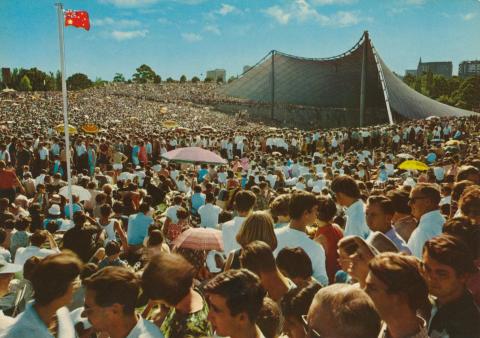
437, 68
469, 68
412, 72
246, 68
215, 74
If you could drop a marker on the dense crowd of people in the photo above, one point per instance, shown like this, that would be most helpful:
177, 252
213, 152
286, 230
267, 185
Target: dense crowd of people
302, 233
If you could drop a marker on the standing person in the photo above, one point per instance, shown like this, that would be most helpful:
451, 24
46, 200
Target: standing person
235, 298
328, 234
138, 227
348, 195
244, 203
53, 284
424, 200
403, 221
446, 266
110, 299
342, 311
169, 278
396, 286
8, 182
209, 212
303, 211
379, 214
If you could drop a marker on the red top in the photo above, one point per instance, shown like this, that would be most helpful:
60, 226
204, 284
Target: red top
329, 235
8, 179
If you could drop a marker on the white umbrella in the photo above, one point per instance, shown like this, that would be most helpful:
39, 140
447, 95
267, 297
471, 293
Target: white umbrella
405, 156
81, 192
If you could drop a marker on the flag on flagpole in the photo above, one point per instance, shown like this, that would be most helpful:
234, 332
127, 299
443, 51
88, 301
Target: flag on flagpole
78, 19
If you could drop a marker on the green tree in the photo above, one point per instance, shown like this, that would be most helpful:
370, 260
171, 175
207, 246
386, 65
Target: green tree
78, 81
58, 80
232, 78
468, 95
170, 80
409, 79
183, 79
429, 83
118, 77
208, 79
99, 82
195, 79
144, 74
157, 79
25, 84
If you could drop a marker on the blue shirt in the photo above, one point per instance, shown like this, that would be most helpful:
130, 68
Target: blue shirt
75, 207
138, 228
201, 174
198, 199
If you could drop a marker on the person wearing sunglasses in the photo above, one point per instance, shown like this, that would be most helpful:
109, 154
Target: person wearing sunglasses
341, 311
424, 202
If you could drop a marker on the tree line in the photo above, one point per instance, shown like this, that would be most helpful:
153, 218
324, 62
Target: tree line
454, 91
34, 79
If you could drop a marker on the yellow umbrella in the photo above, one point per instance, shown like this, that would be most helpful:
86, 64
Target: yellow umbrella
90, 128
71, 129
169, 124
413, 165
453, 143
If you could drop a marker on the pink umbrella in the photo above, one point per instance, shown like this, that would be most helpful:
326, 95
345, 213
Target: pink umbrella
193, 155
200, 239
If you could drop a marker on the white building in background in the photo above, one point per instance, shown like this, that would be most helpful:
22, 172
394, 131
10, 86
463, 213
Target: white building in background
215, 74
469, 68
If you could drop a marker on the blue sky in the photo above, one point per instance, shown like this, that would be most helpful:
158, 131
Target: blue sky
188, 37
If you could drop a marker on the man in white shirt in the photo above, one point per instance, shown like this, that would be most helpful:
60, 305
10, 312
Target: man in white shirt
209, 212
110, 299
424, 201
303, 211
348, 195
244, 202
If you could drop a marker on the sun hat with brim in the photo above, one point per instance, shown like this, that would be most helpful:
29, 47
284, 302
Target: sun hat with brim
376, 243
54, 210
8, 268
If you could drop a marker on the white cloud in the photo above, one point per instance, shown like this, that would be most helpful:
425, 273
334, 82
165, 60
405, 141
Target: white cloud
129, 3
278, 14
212, 29
191, 37
415, 2
225, 9
108, 21
469, 16
302, 11
163, 21
127, 35
333, 2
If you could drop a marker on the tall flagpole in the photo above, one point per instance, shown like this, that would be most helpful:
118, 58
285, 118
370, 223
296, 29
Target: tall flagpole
65, 113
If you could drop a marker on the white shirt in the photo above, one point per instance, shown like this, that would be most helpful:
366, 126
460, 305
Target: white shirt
356, 224
287, 236
172, 213
229, 233
25, 253
429, 226
209, 215
145, 329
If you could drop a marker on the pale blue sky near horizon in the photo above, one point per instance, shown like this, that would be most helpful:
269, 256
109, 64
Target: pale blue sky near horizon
188, 37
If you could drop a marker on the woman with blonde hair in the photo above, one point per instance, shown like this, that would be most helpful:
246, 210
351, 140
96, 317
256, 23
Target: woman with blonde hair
256, 227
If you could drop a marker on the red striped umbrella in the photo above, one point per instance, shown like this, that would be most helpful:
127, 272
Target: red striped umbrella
200, 239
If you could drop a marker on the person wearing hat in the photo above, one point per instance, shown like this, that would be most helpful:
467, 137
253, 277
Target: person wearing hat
37, 240
7, 272
54, 215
